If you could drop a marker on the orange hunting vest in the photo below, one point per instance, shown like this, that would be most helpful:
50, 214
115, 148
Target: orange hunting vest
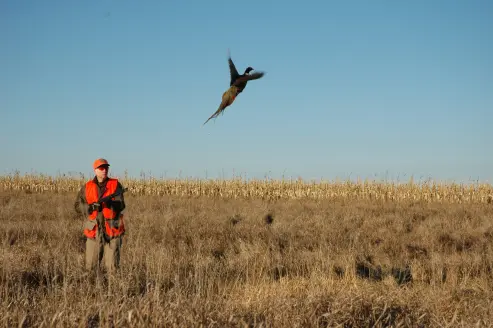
113, 225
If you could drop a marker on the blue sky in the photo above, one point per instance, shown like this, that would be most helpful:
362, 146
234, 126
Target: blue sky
370, 89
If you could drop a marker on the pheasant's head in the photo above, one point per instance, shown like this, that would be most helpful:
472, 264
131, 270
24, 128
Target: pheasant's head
248, 70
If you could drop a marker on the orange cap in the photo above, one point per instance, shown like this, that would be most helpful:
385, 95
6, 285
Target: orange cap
99, 162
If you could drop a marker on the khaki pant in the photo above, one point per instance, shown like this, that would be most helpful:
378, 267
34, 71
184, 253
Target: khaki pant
109, 250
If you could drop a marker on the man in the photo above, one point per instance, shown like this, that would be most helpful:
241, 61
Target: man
102, 240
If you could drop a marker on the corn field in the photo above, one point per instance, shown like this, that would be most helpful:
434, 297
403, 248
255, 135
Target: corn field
268, 189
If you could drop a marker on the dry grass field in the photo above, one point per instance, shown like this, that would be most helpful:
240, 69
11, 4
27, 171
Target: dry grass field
230, 254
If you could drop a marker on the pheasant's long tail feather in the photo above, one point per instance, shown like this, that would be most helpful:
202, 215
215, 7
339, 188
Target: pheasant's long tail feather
214, 115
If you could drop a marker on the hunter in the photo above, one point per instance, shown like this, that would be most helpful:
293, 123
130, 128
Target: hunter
97, 203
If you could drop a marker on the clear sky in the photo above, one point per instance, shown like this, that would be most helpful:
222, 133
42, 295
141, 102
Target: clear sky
370, 89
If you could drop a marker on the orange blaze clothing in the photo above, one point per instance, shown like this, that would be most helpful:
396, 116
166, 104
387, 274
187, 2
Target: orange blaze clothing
114, 225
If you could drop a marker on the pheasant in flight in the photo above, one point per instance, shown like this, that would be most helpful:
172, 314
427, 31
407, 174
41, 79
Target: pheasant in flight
236, 85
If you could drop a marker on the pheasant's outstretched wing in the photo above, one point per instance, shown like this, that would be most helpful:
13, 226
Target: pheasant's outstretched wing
245, 78
232, 70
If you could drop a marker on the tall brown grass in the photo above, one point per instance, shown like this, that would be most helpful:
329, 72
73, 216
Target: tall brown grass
259, 262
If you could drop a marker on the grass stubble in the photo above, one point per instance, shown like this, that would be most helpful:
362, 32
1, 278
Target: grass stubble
214, 262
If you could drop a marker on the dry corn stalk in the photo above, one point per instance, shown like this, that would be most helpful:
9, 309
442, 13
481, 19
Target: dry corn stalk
268, 188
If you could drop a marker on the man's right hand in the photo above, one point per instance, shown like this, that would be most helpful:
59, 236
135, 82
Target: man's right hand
92, 207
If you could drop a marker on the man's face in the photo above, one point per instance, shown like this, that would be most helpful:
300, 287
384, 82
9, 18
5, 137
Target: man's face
101, 172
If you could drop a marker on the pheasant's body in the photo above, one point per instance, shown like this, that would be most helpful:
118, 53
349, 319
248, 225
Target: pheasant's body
229, 97
237, 85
